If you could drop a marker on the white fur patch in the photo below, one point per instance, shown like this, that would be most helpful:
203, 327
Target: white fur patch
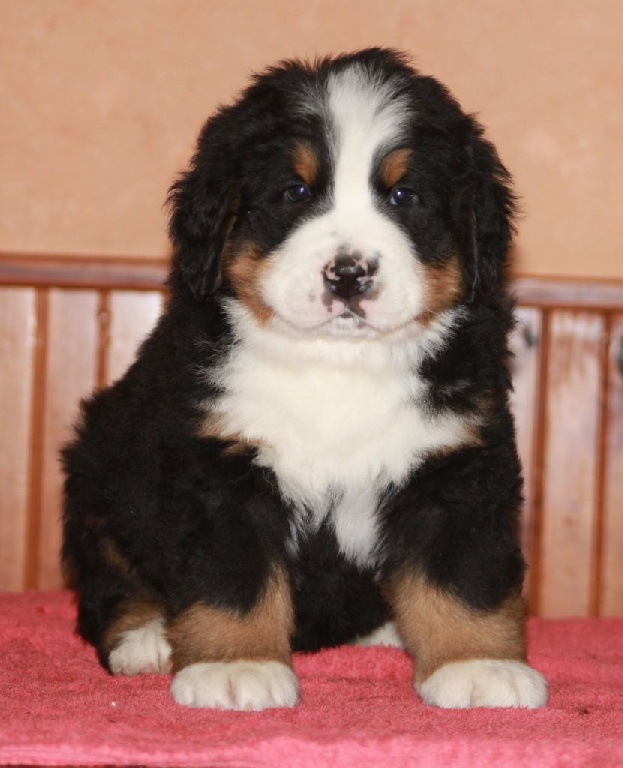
484, 683
141, 651
338, 420
240, 685
386, 635
355, 524
365, 116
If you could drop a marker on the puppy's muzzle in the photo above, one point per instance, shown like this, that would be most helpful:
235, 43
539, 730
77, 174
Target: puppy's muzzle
348, 276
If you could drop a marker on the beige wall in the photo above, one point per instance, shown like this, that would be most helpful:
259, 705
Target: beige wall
101, 101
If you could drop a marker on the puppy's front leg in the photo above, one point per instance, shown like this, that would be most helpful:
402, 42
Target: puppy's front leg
230, 660
464, 657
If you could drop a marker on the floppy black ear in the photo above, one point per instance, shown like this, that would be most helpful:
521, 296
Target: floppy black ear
202, 204
490, 216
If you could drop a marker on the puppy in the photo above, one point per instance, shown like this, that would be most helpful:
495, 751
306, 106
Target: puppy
316, 437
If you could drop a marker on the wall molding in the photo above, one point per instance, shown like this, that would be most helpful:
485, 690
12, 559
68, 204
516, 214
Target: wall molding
150, 274
83, 272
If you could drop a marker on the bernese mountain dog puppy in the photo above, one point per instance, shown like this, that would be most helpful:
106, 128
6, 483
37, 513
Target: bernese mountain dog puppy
316, 440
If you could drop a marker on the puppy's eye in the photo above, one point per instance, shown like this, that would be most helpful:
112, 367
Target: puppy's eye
402, 196
297, 193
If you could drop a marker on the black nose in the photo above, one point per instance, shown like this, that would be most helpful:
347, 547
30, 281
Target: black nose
349, 276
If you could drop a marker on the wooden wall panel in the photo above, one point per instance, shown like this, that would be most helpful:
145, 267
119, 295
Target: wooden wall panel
612, 546
65, 328
526, 346
71, 373
17, 339
133, 314
570, 492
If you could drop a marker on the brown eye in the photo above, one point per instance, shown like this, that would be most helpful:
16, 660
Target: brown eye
297, 193
402, 196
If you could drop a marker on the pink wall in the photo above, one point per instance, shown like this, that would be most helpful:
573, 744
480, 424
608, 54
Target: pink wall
101, 101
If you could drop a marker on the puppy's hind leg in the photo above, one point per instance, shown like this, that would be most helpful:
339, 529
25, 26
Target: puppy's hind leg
137, 640
117, 614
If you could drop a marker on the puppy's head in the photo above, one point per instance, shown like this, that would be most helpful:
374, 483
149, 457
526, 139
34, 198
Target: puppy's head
349, 197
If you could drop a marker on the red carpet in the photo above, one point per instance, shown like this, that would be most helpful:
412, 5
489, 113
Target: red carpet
57, 707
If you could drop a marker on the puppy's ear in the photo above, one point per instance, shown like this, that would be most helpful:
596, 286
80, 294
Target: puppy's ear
490, 215
203, 203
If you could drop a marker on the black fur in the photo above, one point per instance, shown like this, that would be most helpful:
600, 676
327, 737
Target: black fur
195, 523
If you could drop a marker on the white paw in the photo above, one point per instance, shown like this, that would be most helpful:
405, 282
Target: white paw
385, 635
141, 651
240, 685
484, 683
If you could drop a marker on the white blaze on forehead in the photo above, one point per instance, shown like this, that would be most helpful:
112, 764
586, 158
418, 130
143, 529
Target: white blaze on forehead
367, 115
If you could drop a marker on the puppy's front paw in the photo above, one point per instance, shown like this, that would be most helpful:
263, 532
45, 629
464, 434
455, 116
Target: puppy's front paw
484, 683
239, 685
141, 651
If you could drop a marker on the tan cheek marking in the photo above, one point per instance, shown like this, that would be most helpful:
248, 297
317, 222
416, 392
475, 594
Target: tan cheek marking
436, 628
244, 268
134, 614
444, 285
203, 633
306, 163
395, 166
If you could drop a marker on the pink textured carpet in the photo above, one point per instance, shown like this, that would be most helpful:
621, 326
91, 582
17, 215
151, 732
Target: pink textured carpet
57, 707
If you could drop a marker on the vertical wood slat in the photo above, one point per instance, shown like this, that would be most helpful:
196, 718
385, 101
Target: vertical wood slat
526, 344
570, 493
133, 314
601, 451
611, 598
539, 439
71, 374
103, 338
35, 436
17, 340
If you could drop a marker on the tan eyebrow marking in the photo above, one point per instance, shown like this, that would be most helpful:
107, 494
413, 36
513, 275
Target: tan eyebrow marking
395, 166
306, 163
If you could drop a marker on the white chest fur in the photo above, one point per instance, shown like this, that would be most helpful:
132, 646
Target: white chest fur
337, 421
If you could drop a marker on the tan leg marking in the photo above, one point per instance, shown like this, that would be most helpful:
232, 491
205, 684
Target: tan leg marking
438, 629
136, 642
134, 614
117, 560
207, 634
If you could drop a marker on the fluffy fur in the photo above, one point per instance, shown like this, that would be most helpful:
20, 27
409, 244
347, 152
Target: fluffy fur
316, 437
